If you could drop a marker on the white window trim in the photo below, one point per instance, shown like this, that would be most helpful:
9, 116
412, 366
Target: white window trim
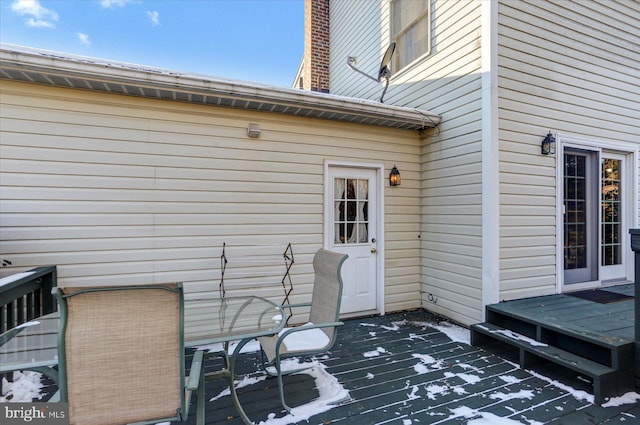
410, 65
564, 141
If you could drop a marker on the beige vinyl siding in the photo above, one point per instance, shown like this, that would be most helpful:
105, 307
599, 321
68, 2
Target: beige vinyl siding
571, 68
451, 158
121, 190
448, 83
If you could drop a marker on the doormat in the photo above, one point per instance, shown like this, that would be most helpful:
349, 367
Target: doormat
600, 296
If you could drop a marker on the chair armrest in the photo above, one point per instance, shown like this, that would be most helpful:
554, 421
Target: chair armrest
296, 305
293, 306
197, 364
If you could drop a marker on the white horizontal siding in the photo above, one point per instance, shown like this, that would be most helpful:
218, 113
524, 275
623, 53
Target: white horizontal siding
446, 82
570, 67
567, 67
122, 190
355, 31
452, 163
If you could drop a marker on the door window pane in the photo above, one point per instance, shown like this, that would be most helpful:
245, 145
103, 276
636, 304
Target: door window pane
351, 211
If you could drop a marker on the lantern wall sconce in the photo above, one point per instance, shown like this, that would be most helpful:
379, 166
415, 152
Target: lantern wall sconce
548, 146
394, 177
253, 131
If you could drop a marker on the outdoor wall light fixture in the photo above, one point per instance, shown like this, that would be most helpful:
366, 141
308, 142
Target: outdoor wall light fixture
253, 131
394, 177
548, 145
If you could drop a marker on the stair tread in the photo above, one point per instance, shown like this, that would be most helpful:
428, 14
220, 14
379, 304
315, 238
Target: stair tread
550, 352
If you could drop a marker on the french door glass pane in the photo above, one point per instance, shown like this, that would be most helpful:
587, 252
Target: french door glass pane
610, 204
575, 222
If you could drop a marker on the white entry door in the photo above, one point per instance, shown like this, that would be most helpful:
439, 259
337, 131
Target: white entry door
352, 229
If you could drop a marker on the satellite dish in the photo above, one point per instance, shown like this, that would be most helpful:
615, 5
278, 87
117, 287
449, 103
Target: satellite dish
383, 72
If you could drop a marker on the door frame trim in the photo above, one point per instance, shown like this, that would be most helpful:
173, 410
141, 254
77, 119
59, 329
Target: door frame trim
380, 242
580, 142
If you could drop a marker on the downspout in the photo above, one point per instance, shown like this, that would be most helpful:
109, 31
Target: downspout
635, 246
490, 156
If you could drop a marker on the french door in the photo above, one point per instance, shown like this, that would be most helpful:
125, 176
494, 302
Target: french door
595, 222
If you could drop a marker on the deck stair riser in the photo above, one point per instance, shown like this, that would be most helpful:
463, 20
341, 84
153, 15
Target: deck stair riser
606, 360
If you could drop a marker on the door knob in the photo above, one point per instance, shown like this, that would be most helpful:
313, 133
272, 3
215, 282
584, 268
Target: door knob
373, 250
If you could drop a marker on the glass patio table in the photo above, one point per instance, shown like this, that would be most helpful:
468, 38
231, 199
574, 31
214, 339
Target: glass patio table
210, 319
32, 346
207, 320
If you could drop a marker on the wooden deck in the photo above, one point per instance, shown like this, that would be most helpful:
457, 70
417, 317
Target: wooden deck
403, 369
399, 369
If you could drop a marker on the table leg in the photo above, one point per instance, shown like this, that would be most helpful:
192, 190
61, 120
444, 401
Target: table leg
229, 372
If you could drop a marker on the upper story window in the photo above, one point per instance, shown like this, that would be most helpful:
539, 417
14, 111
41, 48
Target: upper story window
411, 30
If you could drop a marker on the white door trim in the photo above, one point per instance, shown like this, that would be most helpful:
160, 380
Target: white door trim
579, 142
328, 203
490, 156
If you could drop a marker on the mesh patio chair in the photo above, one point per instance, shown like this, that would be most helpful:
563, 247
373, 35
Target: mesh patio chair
121, 355
319, 334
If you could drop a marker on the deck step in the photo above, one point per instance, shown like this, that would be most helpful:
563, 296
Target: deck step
605, 379
600, 347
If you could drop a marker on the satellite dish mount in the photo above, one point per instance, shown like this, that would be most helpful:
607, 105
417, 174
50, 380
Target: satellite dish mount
384, 72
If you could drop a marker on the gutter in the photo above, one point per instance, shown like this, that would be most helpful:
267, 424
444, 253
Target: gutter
66, 70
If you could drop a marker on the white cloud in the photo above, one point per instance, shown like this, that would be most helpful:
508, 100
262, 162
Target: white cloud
39, 23
38, 15
84, 38
109, 4
154, 17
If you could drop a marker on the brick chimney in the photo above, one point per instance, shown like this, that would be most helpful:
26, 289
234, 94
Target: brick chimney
315, 73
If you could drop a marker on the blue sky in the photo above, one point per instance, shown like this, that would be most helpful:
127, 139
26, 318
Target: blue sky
252, 40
